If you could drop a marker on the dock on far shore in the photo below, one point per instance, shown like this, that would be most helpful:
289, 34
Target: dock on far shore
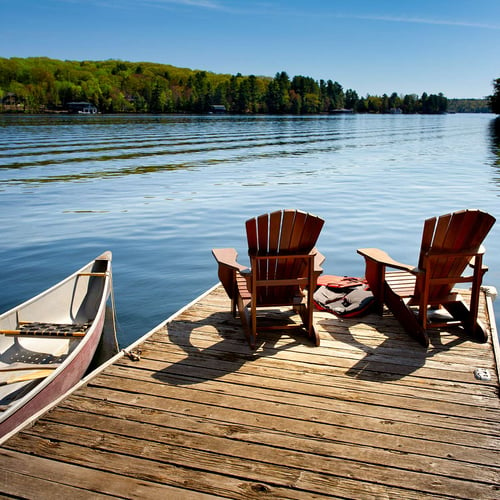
197, 414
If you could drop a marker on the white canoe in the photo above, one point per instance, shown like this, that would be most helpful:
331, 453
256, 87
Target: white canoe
48, 342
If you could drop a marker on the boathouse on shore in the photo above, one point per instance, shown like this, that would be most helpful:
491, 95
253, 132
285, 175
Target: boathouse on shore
85, 108
218, 109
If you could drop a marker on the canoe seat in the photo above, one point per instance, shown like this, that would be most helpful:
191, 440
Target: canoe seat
38, 329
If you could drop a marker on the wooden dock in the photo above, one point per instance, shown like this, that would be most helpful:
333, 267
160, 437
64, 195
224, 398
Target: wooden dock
368, 414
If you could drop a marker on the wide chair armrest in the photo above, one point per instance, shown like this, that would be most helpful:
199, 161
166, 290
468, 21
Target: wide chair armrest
227, 257
319, 258
381, 257
478, 258
228, 270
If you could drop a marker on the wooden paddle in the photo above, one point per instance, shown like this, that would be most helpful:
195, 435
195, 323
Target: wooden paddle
27, 376
28, 366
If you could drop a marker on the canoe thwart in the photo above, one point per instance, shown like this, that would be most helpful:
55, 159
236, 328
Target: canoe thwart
103, 275
49, 329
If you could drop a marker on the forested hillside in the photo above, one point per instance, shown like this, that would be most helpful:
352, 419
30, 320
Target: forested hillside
468, 106
34, 85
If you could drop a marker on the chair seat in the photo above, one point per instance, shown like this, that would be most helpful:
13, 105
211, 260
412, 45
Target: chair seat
401, 282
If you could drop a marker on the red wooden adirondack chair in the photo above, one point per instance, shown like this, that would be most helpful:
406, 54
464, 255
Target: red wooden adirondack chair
450, 243
284, 267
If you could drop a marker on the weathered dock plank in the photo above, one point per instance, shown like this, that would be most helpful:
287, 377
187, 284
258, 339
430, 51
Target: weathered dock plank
368, 414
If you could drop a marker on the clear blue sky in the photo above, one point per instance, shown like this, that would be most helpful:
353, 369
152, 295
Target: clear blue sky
371, 46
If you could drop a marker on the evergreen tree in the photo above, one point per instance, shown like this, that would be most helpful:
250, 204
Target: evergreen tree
284, 89
410, 103
273, 97
395, 102
304, 95
278, 94
335, 94
253, 94
351, 99
494, 99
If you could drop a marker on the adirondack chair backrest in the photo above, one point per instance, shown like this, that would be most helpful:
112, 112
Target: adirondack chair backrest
448, 244
289, 233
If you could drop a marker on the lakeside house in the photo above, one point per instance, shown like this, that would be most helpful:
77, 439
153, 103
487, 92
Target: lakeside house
85, 108
11, 102
217, 109
342, 111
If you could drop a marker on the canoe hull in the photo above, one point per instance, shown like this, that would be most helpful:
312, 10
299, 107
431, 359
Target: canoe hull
80, 351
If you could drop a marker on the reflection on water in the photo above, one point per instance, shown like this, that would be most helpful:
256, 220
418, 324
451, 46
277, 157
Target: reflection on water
495, 136
161, 191
495, 147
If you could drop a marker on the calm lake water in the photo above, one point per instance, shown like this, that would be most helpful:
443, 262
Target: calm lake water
161, 191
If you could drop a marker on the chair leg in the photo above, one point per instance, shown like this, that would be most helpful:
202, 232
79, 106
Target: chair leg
246, 321
374, 275
306, 315
472, 325
253, 325
314, 336
405, 316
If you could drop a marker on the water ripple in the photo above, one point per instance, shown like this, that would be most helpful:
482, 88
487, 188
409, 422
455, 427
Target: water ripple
161, 191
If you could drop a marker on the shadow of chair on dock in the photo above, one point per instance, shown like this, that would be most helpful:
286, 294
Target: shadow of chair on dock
220, 347
396, 356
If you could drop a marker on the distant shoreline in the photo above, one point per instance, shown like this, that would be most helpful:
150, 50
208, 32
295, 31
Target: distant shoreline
66, 113
37, 84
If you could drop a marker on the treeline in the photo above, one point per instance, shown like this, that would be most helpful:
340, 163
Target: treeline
46, 85
469, 106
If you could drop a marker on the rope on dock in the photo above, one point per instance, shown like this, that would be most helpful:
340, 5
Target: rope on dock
134, 355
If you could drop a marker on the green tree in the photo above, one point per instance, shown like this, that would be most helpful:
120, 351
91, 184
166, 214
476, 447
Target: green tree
220, 93
494, 99
374, 104
335, 94
384, 105
395, 102
362, 105
351, 99
66, 92
232, 93
247, 96
433, 104
304, 95
278, 94
201, 92
410, 102
158, 98
295, 103
254, 94
311, 103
